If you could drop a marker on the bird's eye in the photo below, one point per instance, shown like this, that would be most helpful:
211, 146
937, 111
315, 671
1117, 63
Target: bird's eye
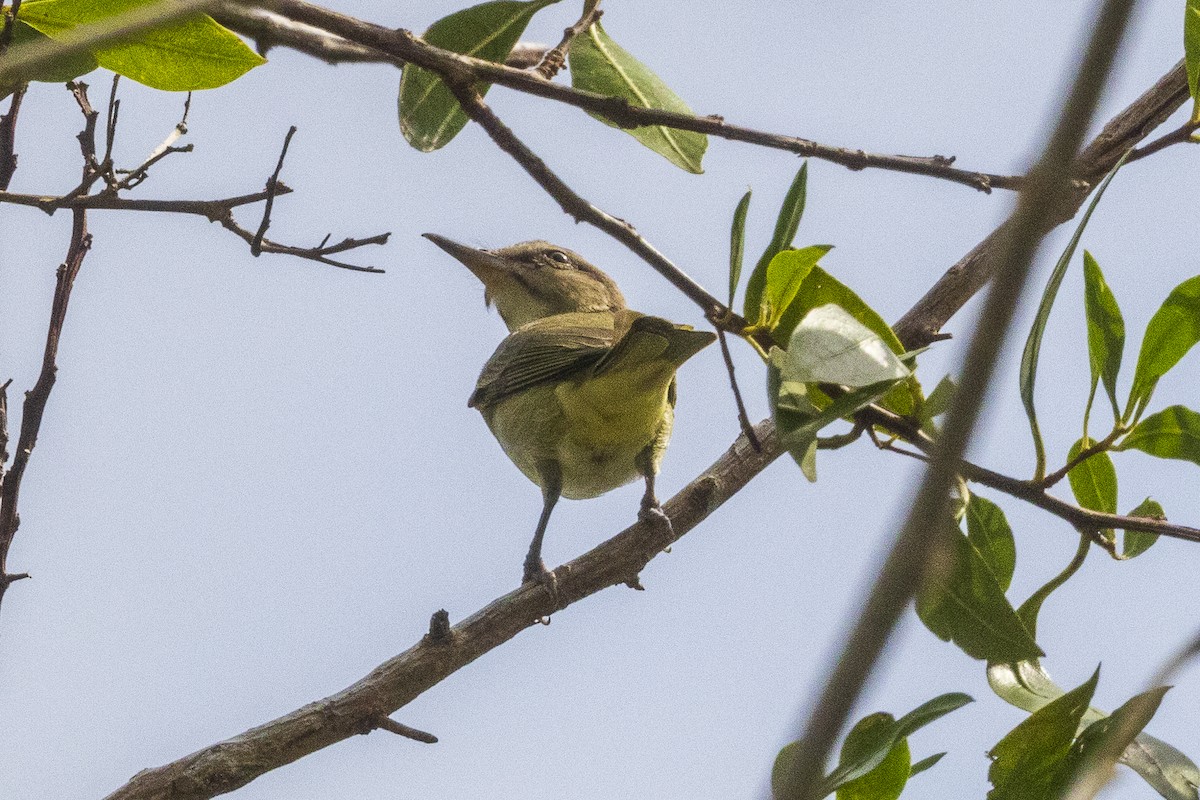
558, 257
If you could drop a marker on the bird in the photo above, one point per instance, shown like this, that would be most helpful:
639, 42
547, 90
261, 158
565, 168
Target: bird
581, 394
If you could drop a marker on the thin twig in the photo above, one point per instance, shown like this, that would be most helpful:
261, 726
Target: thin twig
1047, 187
1178, 136
135, 177
8, 137
36, 398
110, 124
256, 244
553, 61
1094, 448
404, 46
10, 23
743, 417
400, 729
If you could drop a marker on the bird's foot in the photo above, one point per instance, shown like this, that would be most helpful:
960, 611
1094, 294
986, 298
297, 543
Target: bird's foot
536, 572
654, 515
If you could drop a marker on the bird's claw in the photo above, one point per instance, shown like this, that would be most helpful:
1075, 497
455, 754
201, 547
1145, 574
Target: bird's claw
536, 572
654, 515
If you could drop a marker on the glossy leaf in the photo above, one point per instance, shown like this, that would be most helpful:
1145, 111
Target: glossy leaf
1173, 432
924, 764
1105, 331
600, 65
786, 225
1191, 52
989, 532
196, 53
1136, 542
1172, 332
737, 244
1028, 686
961, 601
1094, 482
1033, 344
831, 346
1031, 761
430, 116
785, 274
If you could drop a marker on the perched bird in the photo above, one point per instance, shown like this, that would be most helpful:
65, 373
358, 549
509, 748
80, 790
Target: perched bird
581, 395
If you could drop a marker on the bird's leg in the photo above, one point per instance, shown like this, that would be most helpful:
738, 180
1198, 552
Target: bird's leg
652, 511
535, 568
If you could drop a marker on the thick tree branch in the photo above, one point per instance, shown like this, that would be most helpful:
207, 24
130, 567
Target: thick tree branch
1047, 188
923, 322
404, 46
227, 765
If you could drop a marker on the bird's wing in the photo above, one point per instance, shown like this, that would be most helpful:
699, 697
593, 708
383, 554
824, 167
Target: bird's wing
538, 354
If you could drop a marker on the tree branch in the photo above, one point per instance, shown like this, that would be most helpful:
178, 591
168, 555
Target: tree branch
227, 765
404, 46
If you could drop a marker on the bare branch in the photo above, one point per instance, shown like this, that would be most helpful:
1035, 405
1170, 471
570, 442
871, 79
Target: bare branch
256, 243
135, 177
403, 46
8, 137
743, 417
553, 61
400, 729
36, 398
227, 765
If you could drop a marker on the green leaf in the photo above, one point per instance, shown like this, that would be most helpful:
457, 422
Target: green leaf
1028, 686
1173, 432
925, 763
1191, 52
185, 56
820, 288
989, 532
1097, 750
1105, 331
886, 781
60, 71
936, 404
430, 116
831, 346
786, 225
873, 739
785, 274
1031, 761
961, 601
1172, 332
600, 65
1137, 542
1033, 344
737, 244
1094, 482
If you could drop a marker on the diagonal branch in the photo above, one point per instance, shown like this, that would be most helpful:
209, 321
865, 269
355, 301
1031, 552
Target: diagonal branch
227, 765
404, 46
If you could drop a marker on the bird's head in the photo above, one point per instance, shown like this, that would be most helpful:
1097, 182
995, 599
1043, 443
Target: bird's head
532, 280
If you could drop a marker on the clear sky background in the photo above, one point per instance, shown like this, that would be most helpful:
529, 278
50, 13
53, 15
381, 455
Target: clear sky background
257, 479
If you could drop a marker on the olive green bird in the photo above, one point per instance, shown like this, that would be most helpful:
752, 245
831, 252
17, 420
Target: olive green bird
581, 395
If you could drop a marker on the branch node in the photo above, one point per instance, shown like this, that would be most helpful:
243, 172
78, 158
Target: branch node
439, 627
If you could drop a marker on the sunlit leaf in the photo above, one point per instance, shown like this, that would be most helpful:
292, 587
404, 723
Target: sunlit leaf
430, 116
1173, 432
925, 763
785, 274
786, 225
1172, 332
1105, 330
886, 780
831, 346
600, 65
196, 53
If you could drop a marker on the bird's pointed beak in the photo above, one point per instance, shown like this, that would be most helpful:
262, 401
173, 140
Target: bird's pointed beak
486, 266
